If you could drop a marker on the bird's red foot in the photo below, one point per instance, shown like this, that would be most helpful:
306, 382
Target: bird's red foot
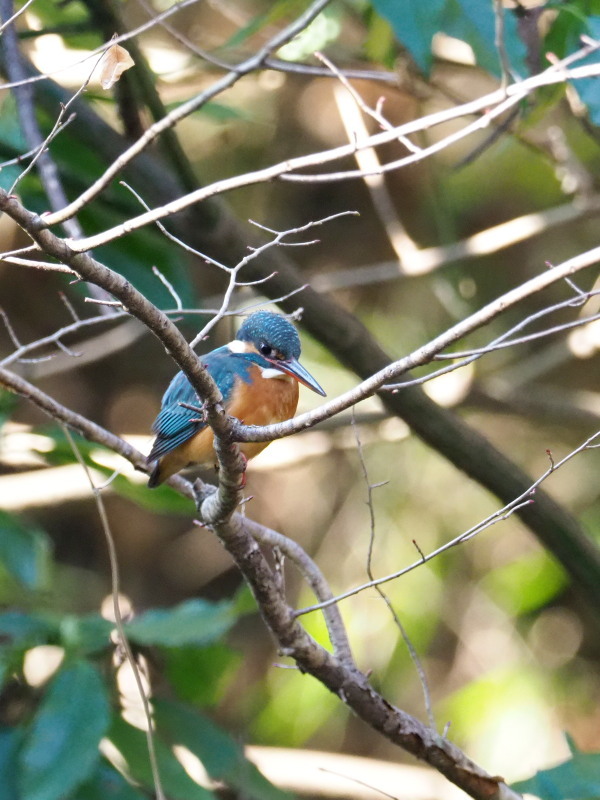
245, 462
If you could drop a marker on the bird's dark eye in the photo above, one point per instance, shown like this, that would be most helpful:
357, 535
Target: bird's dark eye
265, 350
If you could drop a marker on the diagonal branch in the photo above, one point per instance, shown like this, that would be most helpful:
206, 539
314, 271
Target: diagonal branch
96, 433
222, 503
424, 355
489, 107
470, 451
338, 672
187, 108
347, 339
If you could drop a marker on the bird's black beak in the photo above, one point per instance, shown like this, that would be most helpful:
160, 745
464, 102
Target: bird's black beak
294, 368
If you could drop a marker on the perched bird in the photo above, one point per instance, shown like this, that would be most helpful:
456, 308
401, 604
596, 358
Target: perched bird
258, 375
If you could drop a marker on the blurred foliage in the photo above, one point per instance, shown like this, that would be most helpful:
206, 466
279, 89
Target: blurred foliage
415, 25
50, 733
510, 656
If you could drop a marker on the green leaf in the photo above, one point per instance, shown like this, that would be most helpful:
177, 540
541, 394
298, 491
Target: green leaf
58, 450
564, 38
193, 622
222, 757
61, 745
570, 22
133, 255
588, 89
277, 12
200, 675
49, 15
24, 551
29, 628
380, 44
85, 634
8, 400
218, 112
10, 739
526, 584
75, 29
162, 500
132, 744
576, 779
324, 29
11, 143
414, 23
7, 657
108, 784
475, 23
10, 129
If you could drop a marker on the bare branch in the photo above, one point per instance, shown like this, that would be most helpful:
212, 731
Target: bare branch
185, 109
16, 15
315, 579
223, 502
497, 102
123, 640
102, 48
342, 678
498, 516
499, 42
403, 632
169, 287
421, 356
29, 262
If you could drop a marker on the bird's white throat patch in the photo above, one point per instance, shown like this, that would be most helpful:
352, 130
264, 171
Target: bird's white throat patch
271, 372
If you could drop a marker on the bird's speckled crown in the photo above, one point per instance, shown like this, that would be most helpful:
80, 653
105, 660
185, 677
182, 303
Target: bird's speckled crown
274, 330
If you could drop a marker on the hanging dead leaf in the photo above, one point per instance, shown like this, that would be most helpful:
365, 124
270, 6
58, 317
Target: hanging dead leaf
116, 61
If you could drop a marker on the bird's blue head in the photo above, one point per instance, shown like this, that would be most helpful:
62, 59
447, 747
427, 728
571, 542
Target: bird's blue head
270, 332
276, 340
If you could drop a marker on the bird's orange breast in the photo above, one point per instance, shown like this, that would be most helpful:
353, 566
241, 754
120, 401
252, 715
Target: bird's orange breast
263, 401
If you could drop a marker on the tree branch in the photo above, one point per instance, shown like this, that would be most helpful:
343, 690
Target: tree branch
492, 105
187, 108
222, 503
239, 537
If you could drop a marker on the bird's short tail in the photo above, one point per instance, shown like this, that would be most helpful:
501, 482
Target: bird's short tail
155, 478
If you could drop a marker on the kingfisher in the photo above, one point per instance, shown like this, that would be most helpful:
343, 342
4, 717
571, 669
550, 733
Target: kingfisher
258, 375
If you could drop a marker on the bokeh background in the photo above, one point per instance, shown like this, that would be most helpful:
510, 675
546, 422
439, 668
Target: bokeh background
509, 649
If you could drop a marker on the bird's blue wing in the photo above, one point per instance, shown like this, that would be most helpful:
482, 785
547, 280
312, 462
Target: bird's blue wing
175, 424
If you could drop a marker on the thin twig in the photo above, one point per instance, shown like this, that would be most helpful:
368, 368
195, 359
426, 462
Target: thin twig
531, 337
278, 239
422, 355
16, 15
101, 49
502, 514
185, 109
123, 640
315, 579
468, 357
24, 349
496, 103
500, 43
414, 656
169, 286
